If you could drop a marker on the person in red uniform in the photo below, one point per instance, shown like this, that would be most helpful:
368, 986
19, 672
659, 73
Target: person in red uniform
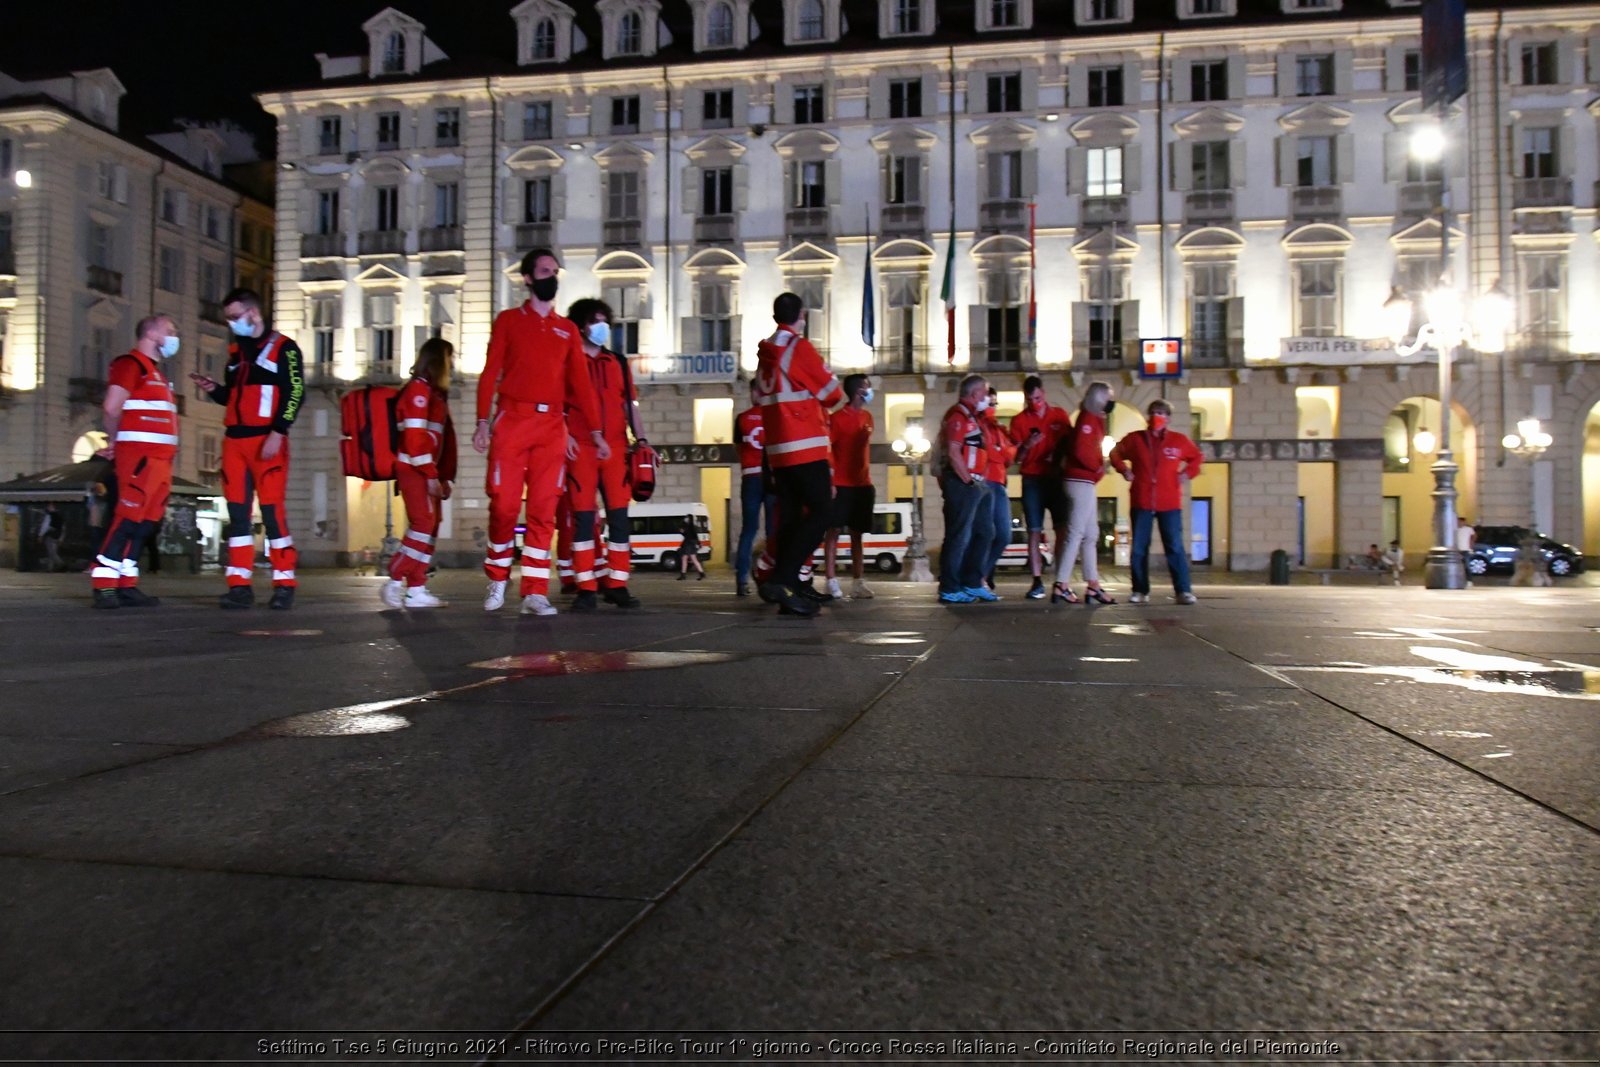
590, 478
533, 375
1002, 453
262, 392
794, 389
1152, 460
850, 435
755, 494
426, 466
1083, 464
962, 461
141, 420
1037, 431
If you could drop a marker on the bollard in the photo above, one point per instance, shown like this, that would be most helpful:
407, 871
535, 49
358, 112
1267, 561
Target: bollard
1278, 572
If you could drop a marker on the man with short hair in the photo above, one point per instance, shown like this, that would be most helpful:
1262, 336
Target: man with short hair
850, 436
962, 459
262, 392
533, 375
1153, 460
755, 494
141, 422
1037, 431
794, 389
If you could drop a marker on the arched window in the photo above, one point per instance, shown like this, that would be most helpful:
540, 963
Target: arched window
544, 39
394, 54
719, 26
630, 34
810, 22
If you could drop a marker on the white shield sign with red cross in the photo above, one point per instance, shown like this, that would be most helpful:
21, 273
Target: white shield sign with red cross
1160, 357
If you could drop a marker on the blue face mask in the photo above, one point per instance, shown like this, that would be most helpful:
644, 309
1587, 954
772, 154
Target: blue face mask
866, 396
241, 327
599, 334
169, 347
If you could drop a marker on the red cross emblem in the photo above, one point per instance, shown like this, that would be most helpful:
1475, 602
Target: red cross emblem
1162, 357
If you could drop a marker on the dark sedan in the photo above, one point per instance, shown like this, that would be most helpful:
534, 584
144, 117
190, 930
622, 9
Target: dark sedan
1496, 550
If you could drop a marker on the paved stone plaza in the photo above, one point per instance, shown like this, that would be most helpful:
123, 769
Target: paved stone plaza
1351, 813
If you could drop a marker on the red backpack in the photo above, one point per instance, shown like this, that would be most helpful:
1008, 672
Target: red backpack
371, 432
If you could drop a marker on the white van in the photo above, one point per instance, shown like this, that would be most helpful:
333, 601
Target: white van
885, 545
655, 537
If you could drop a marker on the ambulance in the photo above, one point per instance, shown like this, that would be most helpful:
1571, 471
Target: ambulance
885, 545
656, 536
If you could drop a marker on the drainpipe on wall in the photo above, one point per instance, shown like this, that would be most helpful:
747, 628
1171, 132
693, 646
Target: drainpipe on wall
666, 194
1161, 183
494, 201
1500, 223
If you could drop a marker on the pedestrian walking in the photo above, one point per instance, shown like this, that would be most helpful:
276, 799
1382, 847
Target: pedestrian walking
962, 460
424, 473
262, 392
756, 498
141, 423
689, 549
795, 389
1083, 464
533, 374
850, 436
1153, 460
51, 528
1000, 453
1037, 432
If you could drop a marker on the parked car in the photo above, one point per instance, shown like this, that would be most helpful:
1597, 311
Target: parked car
1497, 546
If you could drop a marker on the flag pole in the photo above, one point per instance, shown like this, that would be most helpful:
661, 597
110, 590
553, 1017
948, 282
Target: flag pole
1033, 292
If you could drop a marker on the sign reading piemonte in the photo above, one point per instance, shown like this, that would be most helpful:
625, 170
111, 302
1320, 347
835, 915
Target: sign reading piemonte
1161, 357
684, 368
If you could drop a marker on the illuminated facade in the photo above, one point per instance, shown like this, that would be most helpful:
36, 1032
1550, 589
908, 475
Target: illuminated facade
1235, 177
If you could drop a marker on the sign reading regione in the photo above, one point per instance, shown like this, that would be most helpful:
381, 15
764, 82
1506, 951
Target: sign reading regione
1160, 357
684, 368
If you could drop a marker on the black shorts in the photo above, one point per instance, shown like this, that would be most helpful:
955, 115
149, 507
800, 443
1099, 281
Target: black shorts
852, 507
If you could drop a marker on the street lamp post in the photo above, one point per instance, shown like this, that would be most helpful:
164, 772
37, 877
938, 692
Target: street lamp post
1529, 443
912, 447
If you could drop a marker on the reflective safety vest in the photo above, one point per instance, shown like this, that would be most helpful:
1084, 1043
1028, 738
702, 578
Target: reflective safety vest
254, 401
150, 414
427, 438
792, 385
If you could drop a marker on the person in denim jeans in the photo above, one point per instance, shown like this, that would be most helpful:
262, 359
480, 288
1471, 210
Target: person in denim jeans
962, 458
756, 498
1001, 455
1153, 460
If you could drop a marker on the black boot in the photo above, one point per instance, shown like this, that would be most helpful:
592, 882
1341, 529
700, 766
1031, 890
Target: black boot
585, 601
107, 598
238, 598
619, 595
282, 598
134, 597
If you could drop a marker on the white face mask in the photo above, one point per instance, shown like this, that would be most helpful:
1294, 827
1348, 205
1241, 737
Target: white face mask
599, 334
241, 326
169, 346
983, 404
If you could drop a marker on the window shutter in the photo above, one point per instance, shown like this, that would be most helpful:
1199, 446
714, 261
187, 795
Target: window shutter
558, 119
1238, 164
510, 200
119, 184
1594, 58
977, 91
1030, 89
689, 334
1286, 160
1182, 166
1394, 68
558, 197
1128, 313
1234, 314
878, 98
884, 184
1132, 83
1343, 72
647, 332
783, 103
741, 107
833, 174
1030, 173
1566, 151
1077, 170
741, 187
1286, 84
1132, 164
691, 190
1238, 78
1566, 60
736, 332
1077, 84
1181, 83
362, 335
977, 332
1344, 158
1080, 328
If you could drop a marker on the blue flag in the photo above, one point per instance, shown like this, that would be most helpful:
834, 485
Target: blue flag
869, 304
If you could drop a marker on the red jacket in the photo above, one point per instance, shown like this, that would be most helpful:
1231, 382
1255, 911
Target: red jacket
999, 447
1053, 424
614, 392
1082, 458
1155, 461
263, 387
792, 387
150, 414
427, 438
748, 429
536, 365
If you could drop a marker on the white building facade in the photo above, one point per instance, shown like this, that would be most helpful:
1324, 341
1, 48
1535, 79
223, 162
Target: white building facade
1129, 170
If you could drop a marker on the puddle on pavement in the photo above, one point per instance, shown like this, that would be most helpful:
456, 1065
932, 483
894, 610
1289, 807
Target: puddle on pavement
1106, 659
891, 637
549, 664
1539, 681
348, 721
1131, 629
280, 633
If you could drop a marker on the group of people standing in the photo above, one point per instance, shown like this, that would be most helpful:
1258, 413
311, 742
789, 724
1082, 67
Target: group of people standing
1062, 460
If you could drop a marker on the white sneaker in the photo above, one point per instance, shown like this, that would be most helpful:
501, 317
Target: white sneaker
496, 598
861, 590
1139, 598
834, 590
391, 593
537, 604
1185, 598
419, 597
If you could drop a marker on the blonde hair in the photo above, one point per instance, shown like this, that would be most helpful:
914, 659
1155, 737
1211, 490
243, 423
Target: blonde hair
434, 362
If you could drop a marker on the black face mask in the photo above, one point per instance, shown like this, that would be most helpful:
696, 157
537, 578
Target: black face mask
1109, 405
545, 288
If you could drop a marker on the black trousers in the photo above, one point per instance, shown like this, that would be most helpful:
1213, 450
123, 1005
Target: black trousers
805, 507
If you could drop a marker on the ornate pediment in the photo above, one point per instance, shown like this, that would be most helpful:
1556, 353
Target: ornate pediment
805, 143
622, 262
623, 155
1209, 123
1315, 118
714, 149
380, 274
807, 256
535, 157
1103, 242
1424, 236
904, 140
716, 260
1210, 241
1104, 130
1318, 237
906, 251
1004, 133
380, 167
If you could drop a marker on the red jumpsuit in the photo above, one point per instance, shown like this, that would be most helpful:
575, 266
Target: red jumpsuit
589, 478
147, 440
262, 393
533, 374
427, 451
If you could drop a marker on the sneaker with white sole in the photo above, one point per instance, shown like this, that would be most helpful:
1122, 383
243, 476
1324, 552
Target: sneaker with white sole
834, 590
496, 598
392, 593
861, 590
1139, 598
1185, 598
537, 604
419, 597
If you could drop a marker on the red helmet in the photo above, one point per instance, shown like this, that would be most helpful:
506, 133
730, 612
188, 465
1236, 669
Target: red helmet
642, 472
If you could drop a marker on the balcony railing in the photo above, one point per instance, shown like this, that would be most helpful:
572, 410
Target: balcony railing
1107, 355
382, 242
321, 245
907, 359
1543, 192
441, 239
622, 233
1419, 199
1542, 345
1213, 353
211, 311
1316, 202
1002, 356
904, 219
1104, 210
1208, 205
1003, 216
716, 229
808, 222
104, 280
535, 235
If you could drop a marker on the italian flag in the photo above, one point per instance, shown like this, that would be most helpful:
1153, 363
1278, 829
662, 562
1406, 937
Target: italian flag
948, 294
